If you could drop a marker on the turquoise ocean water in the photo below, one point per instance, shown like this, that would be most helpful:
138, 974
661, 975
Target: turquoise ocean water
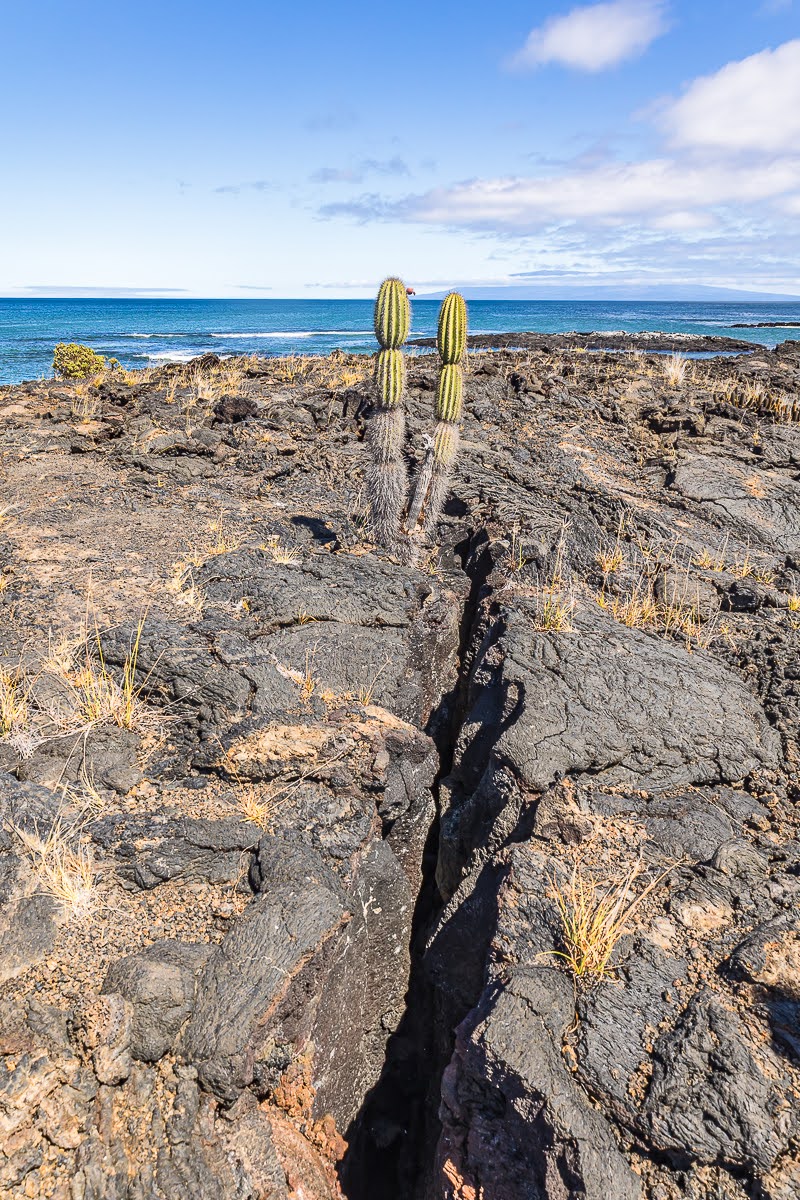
142, 333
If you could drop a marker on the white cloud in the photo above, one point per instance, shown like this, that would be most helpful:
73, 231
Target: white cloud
593, 37
719, 203
753, 104
734, 145
653, 188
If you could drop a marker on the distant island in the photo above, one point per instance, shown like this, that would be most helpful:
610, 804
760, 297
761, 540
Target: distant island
531, 289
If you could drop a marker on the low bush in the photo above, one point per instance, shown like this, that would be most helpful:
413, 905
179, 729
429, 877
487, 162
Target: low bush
73, 361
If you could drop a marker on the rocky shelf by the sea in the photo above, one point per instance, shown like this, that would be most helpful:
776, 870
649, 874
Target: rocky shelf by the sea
281, 919
603, 340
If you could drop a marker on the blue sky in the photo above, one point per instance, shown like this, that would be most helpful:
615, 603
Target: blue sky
250, 149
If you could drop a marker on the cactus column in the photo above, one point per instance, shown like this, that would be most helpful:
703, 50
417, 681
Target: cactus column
451, 341
387, 478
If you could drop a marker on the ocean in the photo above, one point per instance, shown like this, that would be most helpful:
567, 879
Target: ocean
143, 333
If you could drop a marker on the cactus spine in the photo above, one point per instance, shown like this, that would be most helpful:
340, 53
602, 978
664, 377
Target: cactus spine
387, 478
451, 336
434, 477
392, 314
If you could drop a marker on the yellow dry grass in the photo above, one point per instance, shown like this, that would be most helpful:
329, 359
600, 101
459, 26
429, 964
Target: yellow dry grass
366, 692
308, 680
217, 539
84, 401
675, 368
555, 600
337, 373
711, 560
290, 368
743, 567
611, 557
102, 698
675, 615
14, 708
516, 555
182, 586
279, 552
259, 812
635, 608
64, 866
753, 395
595, 916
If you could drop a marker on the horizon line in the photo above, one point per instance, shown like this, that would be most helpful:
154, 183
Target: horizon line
763, 298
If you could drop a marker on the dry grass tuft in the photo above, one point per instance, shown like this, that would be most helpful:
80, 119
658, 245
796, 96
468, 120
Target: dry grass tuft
14, 708
101, 698
306, 680
753, 395
635, 608
182, 586
258, 812
309, 681
744, 568
675, 369
710, 561
594, 917
611, 558
677, 615
84, 401
517, 559
555, 612
338, 373
366, 692
280, 553
555, 601
64, 865
217, 540
290, 368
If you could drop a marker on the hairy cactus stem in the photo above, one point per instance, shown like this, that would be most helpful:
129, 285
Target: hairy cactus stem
434, 476
387, 478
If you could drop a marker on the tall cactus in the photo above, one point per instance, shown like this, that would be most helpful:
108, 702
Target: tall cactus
434, 477
392, 314
451, 335
387, 478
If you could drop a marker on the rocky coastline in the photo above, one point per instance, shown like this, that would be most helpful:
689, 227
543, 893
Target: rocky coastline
687, 343
286, 818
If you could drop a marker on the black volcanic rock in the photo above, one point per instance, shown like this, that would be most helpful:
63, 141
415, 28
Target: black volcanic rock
332, 840
612, 340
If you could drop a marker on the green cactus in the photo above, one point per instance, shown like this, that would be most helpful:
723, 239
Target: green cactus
392, 314
451, 336
387, 477
450, 392
433, 480
390, 377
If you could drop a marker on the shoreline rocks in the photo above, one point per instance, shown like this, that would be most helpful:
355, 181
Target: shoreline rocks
612, 340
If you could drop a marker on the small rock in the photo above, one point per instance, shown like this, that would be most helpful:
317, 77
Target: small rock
103, 1024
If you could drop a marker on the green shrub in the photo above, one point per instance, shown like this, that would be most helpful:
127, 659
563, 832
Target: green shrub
73, 361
